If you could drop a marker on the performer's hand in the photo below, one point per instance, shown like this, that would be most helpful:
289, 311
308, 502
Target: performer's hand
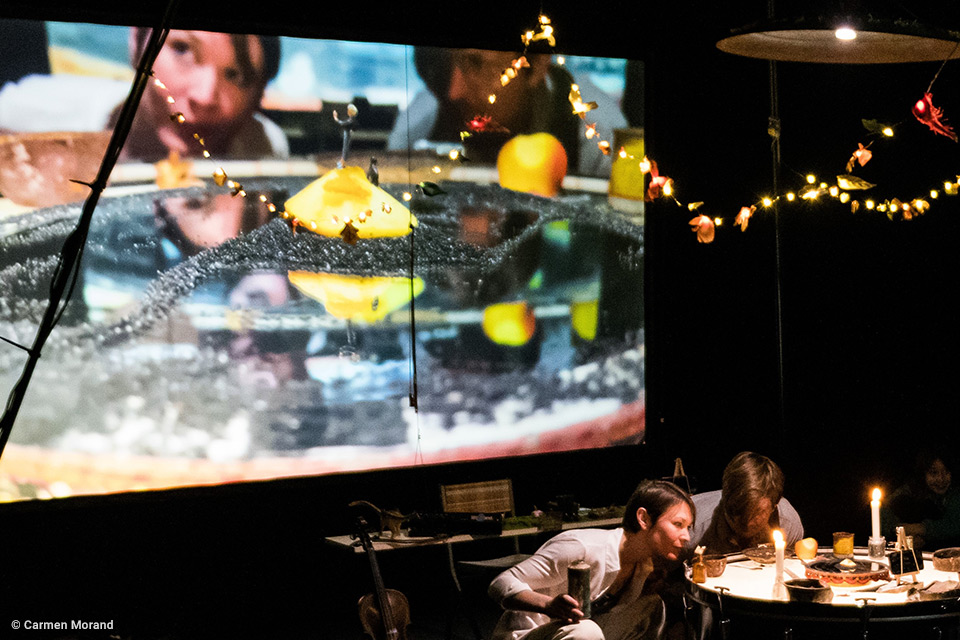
564, 608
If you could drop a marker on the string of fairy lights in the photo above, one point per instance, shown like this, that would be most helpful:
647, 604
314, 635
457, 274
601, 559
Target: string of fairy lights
657, 185
704, 226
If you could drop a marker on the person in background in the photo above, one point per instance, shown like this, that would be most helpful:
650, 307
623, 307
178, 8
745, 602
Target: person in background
747, 508
459, 82
626, 573
217, 80
927, 505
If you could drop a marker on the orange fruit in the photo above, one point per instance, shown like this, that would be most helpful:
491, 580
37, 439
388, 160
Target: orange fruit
806, 549
535, 163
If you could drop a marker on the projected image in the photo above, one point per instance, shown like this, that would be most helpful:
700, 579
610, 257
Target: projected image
308, 262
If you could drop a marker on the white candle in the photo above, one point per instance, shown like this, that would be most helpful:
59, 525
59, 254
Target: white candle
875, 514
779, 590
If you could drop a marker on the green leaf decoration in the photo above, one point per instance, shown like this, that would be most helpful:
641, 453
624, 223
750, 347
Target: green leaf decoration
430, 188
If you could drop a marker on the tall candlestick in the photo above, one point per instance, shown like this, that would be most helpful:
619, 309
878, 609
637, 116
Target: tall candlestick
875, 514
779, 589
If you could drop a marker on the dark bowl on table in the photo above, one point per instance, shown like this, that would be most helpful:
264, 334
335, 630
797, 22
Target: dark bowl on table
764, 553
716, 563
947, 559
808, 590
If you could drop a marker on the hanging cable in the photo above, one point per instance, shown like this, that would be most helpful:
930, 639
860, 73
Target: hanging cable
67, 269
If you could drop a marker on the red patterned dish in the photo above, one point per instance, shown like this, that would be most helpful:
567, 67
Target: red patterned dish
861, 572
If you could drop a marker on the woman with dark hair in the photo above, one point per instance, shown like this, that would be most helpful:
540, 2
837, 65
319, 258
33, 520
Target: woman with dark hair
927, 505
623, 564
218, 81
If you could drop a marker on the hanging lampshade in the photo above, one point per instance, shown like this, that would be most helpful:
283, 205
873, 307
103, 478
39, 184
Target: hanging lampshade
842, 40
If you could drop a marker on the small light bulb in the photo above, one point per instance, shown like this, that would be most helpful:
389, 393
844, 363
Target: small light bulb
845, 33
844, 197
767, 202
834, 191
811, 178
888, 131
934, 194
718, 221
791, 196
869, 204
492, 98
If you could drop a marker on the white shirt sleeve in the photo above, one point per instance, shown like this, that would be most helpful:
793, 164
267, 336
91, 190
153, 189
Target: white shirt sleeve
544, 572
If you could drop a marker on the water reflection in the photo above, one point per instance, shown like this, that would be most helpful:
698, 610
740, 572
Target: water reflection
212, 344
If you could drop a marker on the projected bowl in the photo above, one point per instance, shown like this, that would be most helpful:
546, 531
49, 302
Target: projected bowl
191, 353
38, 169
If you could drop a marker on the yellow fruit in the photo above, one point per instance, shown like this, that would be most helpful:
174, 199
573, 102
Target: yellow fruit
806, 549
535, 163
510, 324
584, 316
356, 298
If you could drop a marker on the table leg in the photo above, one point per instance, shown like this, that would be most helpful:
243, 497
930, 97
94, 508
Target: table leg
459, 605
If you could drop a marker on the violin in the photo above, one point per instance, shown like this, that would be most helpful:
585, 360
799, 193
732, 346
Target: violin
385, 613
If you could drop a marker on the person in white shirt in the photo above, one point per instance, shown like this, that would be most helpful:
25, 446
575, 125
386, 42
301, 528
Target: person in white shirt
625, 574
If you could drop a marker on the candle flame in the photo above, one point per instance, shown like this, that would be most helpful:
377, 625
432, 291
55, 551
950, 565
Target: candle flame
876, 494
777, 538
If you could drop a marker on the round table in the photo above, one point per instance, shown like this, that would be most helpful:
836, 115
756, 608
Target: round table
740, 604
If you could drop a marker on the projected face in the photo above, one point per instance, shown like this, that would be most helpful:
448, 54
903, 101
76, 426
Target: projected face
475, 75
217, 81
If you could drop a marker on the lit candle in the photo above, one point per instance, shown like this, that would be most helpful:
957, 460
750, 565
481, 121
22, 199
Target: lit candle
875, 514
779, 590
779, 545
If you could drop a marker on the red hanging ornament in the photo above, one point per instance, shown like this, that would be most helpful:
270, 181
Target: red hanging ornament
924, 111
704, 227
